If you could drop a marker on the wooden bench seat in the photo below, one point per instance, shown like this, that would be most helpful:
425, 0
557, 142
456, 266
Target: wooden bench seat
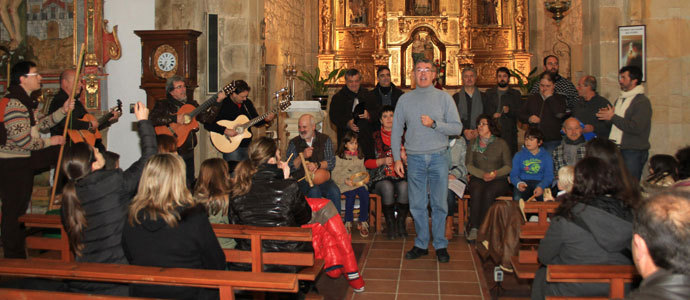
257, 258
225, 281
42, 295
57, 248
615, 275
524, 270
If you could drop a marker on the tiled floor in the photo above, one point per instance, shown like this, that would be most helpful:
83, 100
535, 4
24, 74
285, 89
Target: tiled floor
388, 275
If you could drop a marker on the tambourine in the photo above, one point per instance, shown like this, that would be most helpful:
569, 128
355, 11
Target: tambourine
359, 179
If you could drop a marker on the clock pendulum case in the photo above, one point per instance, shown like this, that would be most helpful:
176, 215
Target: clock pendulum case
165, 53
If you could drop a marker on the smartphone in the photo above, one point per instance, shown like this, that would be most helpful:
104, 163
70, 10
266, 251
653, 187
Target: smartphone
131, 107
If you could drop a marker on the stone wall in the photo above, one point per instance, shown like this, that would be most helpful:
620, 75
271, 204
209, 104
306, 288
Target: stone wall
591, 29
668, 61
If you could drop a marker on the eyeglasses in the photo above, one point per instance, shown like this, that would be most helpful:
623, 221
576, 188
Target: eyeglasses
483, 124
424, 70
179, 87
31, 74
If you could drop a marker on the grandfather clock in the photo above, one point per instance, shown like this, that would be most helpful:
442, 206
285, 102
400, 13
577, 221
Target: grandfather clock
165, 53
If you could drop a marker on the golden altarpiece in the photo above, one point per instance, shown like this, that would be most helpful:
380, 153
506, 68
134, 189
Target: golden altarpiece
365, 34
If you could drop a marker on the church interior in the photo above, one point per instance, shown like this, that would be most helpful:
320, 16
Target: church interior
269, 43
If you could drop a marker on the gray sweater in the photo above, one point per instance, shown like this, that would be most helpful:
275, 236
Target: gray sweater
419, 139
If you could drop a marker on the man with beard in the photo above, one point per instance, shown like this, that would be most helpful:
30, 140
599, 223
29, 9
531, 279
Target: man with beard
503, 104
385, 91
430, 117
165, 112
631, 116
66, 83
317, 149
563, 85
355, 108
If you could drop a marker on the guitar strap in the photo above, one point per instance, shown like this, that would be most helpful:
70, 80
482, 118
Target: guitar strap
172, 130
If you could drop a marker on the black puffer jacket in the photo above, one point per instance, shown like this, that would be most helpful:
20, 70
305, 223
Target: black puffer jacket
191, 244
271, 202
105, 196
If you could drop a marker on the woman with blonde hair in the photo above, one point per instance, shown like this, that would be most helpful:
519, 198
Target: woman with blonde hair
212, 190
95, 200
166, 228
262, 195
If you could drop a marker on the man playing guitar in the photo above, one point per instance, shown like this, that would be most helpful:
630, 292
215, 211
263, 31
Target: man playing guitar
165, 113
238, 105
66, 83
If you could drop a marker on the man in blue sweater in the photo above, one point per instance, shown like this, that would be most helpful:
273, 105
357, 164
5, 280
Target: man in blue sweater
430, 116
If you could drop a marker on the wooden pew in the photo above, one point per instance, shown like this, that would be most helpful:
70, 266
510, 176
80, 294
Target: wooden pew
41, 295
526, 262
257, 258
225, 281
375, 212
615, 275
58, 247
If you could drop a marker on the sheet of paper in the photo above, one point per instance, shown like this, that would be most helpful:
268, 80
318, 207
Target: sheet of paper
457, 186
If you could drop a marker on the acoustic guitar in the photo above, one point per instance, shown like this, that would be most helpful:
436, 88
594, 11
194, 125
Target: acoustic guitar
181, 131
241, 124
90, 136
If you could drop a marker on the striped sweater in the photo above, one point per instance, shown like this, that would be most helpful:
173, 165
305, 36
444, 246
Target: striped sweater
21, 136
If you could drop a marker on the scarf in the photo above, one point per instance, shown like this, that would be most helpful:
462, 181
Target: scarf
18, 92
351, 153
621, 106
482, 143
580, 140
386, 137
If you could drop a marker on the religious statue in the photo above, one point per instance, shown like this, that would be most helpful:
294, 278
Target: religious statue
490, 17
422, 7
358, 13
10, 18
326, 27
422, 48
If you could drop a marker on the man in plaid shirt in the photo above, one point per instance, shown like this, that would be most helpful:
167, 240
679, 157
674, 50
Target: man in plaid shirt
572, 149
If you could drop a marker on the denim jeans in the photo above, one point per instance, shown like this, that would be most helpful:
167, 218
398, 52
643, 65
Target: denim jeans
363, 204
634, 161
529, 191
328, 190
240, 154
428, 171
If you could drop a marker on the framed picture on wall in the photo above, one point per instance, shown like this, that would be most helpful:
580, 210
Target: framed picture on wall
632, 48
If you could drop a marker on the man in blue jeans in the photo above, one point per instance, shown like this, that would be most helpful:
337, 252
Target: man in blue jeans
430, 116
631, 116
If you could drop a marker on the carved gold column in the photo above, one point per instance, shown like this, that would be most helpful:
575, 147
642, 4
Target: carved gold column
381, 55
326, 27
520, 21
465, 56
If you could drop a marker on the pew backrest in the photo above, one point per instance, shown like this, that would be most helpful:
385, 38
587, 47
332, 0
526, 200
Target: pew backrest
615, 275
225, 281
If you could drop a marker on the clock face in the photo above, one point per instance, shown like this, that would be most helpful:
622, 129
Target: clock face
166, 61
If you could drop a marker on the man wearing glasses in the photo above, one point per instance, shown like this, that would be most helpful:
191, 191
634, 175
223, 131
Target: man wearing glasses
165, 113
430, 116
23, 151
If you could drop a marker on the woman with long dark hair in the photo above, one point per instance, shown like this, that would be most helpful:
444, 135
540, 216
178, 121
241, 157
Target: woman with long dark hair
663, 173
593, 225
262, 195
95, 200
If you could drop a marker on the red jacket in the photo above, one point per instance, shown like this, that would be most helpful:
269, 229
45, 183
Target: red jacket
332, 243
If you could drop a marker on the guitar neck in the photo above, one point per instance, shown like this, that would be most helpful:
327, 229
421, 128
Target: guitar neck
203, 106
261, 117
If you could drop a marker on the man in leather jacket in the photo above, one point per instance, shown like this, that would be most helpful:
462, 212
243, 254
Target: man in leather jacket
165, 112
661, 234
